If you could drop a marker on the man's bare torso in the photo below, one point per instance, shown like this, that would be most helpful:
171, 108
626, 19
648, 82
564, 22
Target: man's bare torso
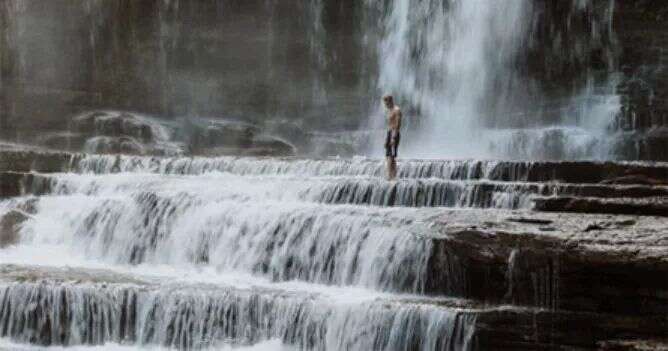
394, 119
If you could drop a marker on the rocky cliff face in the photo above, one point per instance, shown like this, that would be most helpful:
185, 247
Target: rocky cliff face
642, 28
249, 59
313, 65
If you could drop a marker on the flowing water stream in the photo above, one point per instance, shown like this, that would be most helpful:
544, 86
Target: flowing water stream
190, 257
259, 254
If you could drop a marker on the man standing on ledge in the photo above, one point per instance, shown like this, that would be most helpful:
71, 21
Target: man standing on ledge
393, 136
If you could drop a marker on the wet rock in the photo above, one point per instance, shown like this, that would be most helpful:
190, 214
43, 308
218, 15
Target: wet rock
514, 329
113, 132
574, 172
236, 138
222, 134
115, 124
605, 225
266, 145
38, 161
34, 294
633, 345
635, 179
10, 224
10, 184
66, 141
288, 130
14, 184
615, 270
115, 145
653, 206
530, 220
593, 227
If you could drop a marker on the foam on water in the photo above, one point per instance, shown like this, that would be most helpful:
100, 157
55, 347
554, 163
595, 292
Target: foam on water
462, 70
357, 190
201, 316
343, 245
9, 345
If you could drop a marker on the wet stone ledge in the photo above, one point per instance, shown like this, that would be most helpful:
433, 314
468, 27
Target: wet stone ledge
649, 206
13, 184
44, 306
36, 161
594, 263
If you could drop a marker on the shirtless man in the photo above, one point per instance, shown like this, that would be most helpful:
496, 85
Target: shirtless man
393, 135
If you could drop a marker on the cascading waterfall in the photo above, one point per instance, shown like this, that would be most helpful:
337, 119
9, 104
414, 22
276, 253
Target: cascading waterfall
459, 68
169, 226
265, 259
193, 252
258, 253
171, 316
314, 254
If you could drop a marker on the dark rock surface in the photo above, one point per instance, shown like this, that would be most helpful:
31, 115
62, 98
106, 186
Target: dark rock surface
235, 138
517, 329
634, 345
10, 184
491, 327
617, 269
38, 161
189, 61
9, 227
650, 206
641, 28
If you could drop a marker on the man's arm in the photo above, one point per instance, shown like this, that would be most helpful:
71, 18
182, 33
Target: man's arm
399, 119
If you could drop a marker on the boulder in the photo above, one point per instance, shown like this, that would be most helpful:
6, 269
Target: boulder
67, 141
115, 124
115, 145
266, 145
236, 138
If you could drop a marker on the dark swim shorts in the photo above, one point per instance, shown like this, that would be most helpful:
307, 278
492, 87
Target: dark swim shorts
391, 149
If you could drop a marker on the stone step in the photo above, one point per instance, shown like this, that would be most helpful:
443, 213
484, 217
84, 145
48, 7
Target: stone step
53, 306
357, 191
634, 345
525, 171
556, 261
650, 206
37, 161
483, 194
68, 306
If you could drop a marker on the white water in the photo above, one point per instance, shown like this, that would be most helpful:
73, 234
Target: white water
220, 257
271, 345
458, 64
195, 252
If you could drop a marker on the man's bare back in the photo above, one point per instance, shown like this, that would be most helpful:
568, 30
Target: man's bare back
394, 118
393, 135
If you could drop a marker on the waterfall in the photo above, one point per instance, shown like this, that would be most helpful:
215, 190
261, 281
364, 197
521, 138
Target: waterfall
325, 254
467, 70
97, 314
470, 249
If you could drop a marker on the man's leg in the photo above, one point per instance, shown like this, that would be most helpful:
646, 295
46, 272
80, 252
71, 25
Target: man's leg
388, 167
392, 169
394, 146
